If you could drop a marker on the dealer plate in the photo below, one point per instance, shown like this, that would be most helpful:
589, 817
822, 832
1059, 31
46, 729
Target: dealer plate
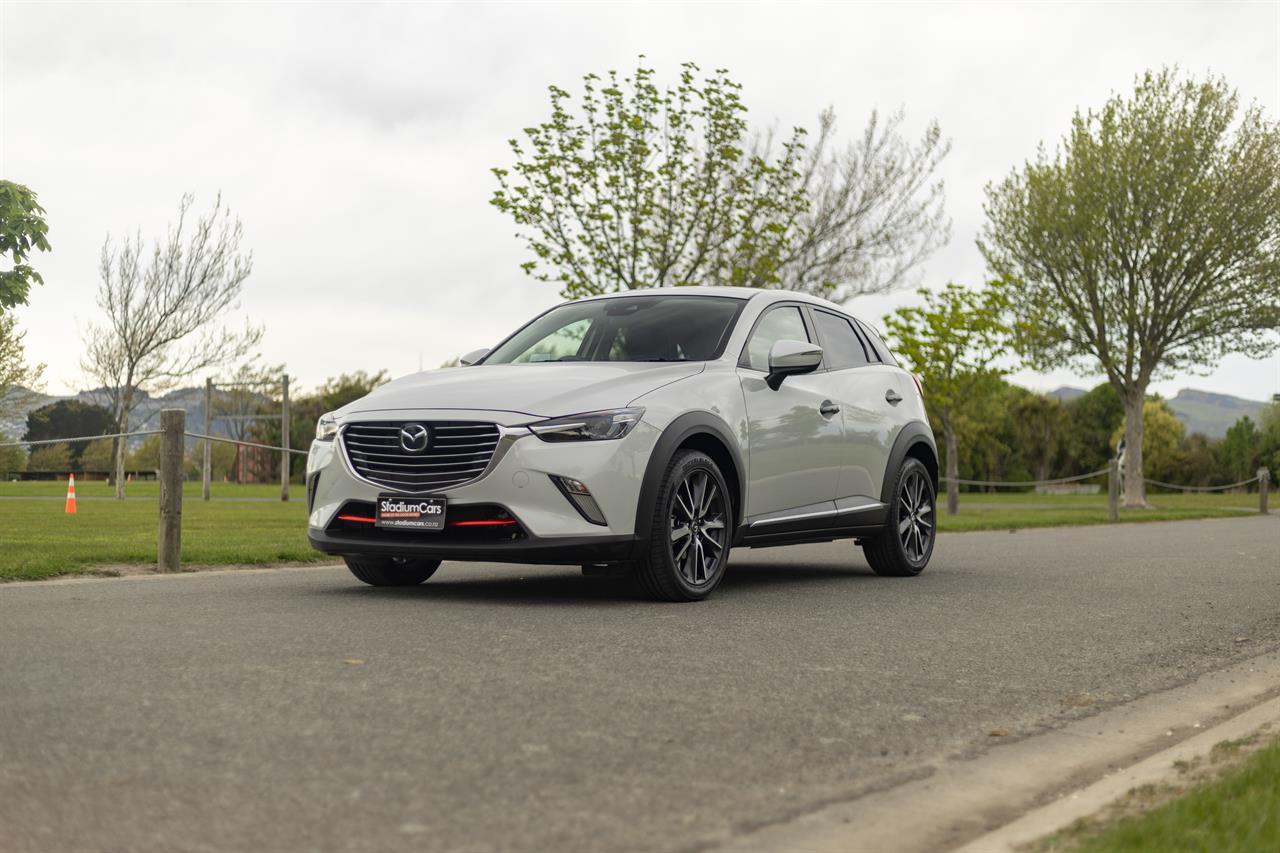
399, 512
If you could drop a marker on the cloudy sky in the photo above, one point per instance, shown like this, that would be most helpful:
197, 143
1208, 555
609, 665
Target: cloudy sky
354, 140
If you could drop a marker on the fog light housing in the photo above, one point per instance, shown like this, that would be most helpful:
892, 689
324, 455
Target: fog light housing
579, 495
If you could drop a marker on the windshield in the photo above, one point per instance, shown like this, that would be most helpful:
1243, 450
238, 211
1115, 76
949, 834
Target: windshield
638, 328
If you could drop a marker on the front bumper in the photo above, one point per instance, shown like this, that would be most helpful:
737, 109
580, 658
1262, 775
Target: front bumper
518, 480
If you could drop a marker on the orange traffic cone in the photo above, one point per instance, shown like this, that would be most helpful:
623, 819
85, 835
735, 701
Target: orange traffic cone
71, 495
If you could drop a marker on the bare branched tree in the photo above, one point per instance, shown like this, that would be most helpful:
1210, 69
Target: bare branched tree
163, 310
876, 209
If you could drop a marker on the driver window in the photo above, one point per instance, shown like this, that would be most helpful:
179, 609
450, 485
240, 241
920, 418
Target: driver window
563, 343
779, 324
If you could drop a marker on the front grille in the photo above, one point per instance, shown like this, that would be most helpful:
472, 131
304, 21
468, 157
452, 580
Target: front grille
458, 452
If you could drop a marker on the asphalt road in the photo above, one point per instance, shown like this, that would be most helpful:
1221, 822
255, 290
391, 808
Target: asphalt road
515, 708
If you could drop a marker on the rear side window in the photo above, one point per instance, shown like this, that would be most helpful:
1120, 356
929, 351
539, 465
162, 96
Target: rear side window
840, 345
873, 340
779, 324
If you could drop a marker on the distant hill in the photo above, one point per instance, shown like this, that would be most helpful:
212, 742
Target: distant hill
1199, 411
1067, 393
13, 421
1212, 414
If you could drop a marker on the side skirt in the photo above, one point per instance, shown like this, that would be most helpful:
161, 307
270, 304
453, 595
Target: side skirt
846, 518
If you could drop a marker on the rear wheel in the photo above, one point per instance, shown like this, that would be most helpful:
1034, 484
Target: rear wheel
904, 547
391, 571
690, 532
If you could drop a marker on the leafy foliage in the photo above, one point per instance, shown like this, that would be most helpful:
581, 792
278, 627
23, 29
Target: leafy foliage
643, 186
17, 378
650, 187
952, 342
67, 419
22, 231
11, 458
50, 457
1148, 242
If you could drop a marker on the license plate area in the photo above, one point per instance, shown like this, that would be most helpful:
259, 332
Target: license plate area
410, 512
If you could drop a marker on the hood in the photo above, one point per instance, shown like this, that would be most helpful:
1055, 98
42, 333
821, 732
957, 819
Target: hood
541, 390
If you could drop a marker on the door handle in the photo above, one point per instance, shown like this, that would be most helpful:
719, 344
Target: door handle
828, 408
892, 397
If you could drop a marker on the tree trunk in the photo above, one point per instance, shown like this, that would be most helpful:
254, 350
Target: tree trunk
953, 467
1135, 490
122, 447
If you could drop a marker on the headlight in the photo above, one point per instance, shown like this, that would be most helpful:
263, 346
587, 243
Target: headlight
326, 427
590, 426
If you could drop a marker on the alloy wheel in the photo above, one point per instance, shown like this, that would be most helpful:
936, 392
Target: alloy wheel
697, 524
915, 516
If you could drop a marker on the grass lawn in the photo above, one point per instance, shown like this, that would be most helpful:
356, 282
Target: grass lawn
38, 540
250, 525
1238, 813
1022, 509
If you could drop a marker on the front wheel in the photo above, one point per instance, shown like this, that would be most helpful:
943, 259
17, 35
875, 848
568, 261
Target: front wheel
690, 532
904, 547
391, 571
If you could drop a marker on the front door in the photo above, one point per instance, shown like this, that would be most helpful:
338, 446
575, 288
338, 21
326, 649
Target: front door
793, 446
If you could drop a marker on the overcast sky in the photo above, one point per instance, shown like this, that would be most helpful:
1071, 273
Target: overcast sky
354, 140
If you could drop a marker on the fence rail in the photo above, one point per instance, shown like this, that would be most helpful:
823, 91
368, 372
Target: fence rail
173, 434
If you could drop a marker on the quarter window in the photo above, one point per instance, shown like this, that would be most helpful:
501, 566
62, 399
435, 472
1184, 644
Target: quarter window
840, 345
779, 324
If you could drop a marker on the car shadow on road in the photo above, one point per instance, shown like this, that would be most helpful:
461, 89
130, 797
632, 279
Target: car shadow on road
551, 586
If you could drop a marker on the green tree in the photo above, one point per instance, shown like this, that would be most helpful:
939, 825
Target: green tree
97, 456
952, 342
22, 230
18, 379
50, 457
1037, 422
11, 458
1269, 440
1240, 451
1147, 243
648, 187
67, 419
147, 455
1089, 421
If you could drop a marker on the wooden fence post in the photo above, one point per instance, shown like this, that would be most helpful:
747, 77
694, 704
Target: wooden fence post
1113, 490
284, 438
173, 424
1264, 481
208, 430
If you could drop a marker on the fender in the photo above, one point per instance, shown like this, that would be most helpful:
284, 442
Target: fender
915, 432
676, 432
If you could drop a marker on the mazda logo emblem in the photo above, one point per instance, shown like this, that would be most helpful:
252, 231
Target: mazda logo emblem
414, 438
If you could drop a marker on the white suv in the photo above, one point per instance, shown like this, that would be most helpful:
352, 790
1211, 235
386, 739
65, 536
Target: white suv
652, 430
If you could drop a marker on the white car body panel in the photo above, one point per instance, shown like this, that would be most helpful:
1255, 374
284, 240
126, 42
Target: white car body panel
791, 456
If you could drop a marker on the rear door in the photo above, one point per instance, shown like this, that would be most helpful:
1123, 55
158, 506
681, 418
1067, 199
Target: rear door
864, 387
793, 447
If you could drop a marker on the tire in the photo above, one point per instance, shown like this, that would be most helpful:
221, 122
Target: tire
904, 548
693, 497
391, 571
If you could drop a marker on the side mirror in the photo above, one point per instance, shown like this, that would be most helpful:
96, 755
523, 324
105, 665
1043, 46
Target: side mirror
791, 358
472, 357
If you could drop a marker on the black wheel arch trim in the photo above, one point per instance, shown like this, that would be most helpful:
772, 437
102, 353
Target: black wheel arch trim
914, 433
676, 433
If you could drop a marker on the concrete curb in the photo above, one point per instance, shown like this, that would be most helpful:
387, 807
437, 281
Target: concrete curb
1153, 770
1017, 786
